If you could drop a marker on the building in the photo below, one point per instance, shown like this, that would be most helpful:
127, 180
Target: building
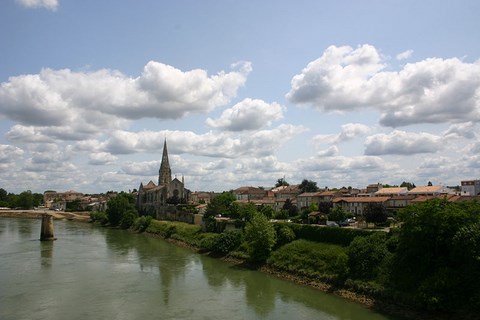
471, 187
154, 199
357, 205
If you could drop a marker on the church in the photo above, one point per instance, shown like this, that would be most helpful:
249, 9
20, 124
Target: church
156, 199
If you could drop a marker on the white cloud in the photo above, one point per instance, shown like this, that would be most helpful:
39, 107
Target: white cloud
429, 91
48, 4
102, 158
466, 130
249, 114
10, 154
348, 132
75, 105
330, 152
211, 144
404, 55
402, 143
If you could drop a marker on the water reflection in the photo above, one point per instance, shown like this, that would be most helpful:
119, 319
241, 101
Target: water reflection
100, 273
46, 253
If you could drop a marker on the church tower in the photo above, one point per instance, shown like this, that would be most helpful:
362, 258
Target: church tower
165, 173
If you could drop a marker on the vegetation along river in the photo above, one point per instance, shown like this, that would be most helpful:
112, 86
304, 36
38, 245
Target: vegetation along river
92, 272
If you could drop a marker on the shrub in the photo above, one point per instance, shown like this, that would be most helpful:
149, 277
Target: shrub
260, 237
285, 234
207, 241
142, 223
227, 241
340, 236
99, 216
128, 218
366, 255
326, 261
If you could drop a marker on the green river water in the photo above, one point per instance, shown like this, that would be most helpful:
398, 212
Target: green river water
92, 272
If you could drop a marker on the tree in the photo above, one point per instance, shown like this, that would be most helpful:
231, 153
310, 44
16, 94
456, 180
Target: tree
219, 204
260, 238
325, 206
267, 211
337, 214
308, 186
375, 213
366, 254
437, 259
25, 200
290, 207
121, 207
409, 185
429, 183
281, 182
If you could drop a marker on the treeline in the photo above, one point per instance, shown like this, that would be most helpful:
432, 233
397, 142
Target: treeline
431, 262
25, 200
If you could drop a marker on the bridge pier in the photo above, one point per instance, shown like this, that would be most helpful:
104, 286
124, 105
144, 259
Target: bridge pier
46, 234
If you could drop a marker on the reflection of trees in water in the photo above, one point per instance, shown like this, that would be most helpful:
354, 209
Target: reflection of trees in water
154, 254
259, 293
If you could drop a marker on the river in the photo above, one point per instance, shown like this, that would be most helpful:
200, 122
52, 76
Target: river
92, 272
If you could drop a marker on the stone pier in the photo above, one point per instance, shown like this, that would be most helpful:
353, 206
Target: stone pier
46, 233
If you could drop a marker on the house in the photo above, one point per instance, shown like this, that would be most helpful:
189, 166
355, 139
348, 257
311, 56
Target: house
394, 191
202, 197
304, 200
328, 195
357, 205
430, 191
470, 187
399, 201
281, 194
249, 193
372, 188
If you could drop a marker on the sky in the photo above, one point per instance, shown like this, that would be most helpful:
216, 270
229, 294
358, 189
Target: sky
343, 93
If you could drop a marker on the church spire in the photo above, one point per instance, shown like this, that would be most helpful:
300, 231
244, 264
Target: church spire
165, 173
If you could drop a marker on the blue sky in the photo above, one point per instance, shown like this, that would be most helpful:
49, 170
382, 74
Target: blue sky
344, 93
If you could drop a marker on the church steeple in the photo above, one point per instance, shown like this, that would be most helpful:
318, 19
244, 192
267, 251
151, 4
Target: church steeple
165, 173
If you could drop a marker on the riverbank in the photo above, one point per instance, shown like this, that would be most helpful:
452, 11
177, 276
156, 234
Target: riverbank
37, 214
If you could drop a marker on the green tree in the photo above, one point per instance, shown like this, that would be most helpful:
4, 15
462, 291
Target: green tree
281, 182
437, 259
337, 214
375, 213
409, 185
325, 206
267, 211
366, 255
308, 186
220, 204
119, 206
260, 238
25, 200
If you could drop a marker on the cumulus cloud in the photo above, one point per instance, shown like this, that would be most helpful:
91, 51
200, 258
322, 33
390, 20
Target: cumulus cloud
330, 152
74, 105
404, 55
211, 144
9, 154
48, 4
466, 130
249, 114
348, 132
402, 143
101, 158
434, 90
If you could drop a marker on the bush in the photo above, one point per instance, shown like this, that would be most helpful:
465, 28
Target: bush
260, 237
285, 234
325, 261
128, 218
227, 241
208, 240
340, 236
366, 255
99, 216
142, 223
